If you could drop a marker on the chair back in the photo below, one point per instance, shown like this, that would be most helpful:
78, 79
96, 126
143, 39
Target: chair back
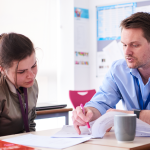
78, 97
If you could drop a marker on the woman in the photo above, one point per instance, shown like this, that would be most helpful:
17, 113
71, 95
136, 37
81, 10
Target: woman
18, 86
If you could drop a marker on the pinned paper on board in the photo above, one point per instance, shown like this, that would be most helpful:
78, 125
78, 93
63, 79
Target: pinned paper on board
102, 63
109, 33
143, 9
81, 21
112, 52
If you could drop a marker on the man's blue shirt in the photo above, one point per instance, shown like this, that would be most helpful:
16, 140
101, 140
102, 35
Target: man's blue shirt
118, 85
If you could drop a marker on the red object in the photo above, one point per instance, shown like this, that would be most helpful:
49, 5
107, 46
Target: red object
7, 146
78, 97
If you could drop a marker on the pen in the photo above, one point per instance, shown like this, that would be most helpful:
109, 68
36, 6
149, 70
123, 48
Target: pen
88, 125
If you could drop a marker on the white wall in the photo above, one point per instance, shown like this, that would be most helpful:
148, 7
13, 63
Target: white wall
81, 72
70, 77
37, 20
81, 4
65, 67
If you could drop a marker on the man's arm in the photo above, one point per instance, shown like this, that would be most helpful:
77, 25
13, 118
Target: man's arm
107, 97
96, 114
123, 111
145, 116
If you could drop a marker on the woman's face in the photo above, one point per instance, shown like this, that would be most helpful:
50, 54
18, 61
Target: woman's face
26, 72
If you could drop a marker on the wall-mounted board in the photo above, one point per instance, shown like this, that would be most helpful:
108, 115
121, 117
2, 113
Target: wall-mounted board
109, 18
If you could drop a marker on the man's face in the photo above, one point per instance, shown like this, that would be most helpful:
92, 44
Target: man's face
136, 48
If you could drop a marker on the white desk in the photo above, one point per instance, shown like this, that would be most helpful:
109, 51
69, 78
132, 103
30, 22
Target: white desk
109, 142
43, 114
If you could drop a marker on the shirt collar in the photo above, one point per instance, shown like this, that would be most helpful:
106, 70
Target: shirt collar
11, 86
135, 72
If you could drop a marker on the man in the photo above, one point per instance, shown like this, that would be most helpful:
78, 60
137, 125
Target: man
127, 80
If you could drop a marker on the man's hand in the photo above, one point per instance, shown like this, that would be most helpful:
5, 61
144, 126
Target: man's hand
117, 110
79, 119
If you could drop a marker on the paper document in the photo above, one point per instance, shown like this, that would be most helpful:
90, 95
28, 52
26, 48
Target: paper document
100, 126
45, 141
120, 45
70, 132
107, 120
142, 128
113, 52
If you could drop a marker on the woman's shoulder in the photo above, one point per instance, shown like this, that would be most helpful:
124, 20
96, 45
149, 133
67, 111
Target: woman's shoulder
2, 89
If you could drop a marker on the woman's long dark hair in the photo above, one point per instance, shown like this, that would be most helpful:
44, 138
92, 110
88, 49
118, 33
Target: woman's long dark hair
14, 47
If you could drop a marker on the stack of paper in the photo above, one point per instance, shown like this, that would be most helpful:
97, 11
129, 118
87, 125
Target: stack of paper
100, 126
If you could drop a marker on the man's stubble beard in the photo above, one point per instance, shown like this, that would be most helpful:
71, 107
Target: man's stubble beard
137, 64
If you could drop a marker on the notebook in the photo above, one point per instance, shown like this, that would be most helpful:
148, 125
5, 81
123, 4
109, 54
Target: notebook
46, 106
7, 146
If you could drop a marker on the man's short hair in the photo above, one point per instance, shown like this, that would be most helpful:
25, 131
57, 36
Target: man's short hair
138, 20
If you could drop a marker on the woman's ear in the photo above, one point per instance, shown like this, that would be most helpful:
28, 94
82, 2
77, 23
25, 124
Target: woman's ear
2, 70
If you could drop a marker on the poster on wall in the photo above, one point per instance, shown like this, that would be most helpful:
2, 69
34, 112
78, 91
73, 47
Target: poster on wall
108, 30
109, 19
81, 58
81, 21
109, 34
102, 64
105, 59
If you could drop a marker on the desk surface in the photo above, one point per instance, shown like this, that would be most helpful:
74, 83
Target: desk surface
109, 142
139, 143
51, 111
